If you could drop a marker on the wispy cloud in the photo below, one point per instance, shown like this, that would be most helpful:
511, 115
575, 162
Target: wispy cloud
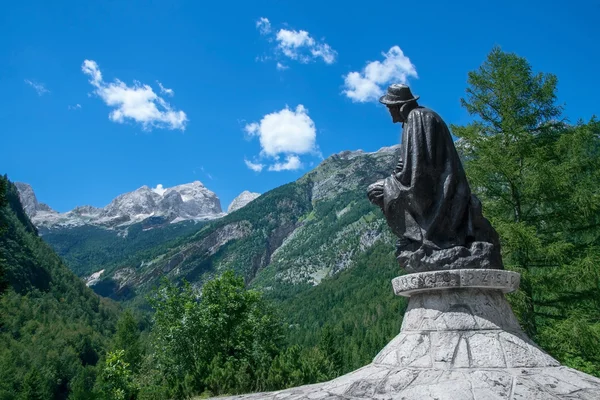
257, 167
368, 84
201, 168
263, 25
291, 163
285, 133
75, 107
164, 90
39, 87
299, 45
296, 45
138, 103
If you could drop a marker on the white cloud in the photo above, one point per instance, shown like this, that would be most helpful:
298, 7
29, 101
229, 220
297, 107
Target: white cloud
287, 132
252, 128
281, 67
291, 41
367, 85
90, 68
164, 90
75, 107
295, 44
159, 189
324, 51
138, 102
263, 25
254, 166
292, 163
39, 87
299, 45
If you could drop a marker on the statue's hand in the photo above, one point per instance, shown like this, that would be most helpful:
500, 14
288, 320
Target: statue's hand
375, 193
398, 169
399, 166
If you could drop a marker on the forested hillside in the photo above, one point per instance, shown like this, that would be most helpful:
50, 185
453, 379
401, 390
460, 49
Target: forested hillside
59, 340
53, 329
87, 249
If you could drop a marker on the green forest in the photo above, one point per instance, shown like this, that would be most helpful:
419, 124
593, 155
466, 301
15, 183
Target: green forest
536, 172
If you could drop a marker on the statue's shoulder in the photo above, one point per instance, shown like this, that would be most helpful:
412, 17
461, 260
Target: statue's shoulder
424, 112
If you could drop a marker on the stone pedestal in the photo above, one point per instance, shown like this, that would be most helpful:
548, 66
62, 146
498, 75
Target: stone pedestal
459, 341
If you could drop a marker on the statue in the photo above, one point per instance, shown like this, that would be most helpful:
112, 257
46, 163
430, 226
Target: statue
427, 200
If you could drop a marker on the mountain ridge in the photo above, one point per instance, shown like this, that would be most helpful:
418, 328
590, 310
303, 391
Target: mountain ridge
277, 238
190, 201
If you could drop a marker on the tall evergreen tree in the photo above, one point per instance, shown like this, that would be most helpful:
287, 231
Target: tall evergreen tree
537, 178
329, 345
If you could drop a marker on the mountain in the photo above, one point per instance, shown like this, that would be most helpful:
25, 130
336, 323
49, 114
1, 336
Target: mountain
191, 201
244, 198
297, 234
53, 329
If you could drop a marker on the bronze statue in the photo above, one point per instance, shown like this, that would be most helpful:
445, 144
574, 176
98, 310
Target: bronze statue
427, 200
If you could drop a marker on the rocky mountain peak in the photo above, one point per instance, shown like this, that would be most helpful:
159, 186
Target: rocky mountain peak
29, 200
241, 200
190, 201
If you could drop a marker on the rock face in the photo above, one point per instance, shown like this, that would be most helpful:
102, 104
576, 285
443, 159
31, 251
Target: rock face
244, 198
459, 341
29, 200
191, 201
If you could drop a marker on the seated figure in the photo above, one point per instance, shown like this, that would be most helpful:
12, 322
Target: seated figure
427, 200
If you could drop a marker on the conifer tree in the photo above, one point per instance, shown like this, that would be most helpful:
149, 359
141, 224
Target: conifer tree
537, 178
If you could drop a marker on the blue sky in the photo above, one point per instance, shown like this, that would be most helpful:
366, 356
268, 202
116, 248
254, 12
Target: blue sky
79, 124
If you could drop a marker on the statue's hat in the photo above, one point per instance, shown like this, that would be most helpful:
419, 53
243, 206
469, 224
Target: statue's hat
397, 94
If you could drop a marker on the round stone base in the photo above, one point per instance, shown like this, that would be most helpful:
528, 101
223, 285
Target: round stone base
407, 285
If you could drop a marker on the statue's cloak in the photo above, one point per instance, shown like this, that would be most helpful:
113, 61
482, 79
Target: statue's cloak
429, 200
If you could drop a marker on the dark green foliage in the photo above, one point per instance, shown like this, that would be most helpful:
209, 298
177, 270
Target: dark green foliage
34, 387
538, 180
116, 380
222, 343
228, 341
296, 366
52, 327
127, 338
82, 385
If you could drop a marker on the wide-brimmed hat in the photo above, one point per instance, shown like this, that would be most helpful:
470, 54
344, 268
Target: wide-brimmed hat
397, 94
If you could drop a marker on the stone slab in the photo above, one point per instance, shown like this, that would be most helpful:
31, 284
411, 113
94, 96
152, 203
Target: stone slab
407, 285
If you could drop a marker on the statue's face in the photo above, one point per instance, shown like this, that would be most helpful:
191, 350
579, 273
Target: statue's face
395, 113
